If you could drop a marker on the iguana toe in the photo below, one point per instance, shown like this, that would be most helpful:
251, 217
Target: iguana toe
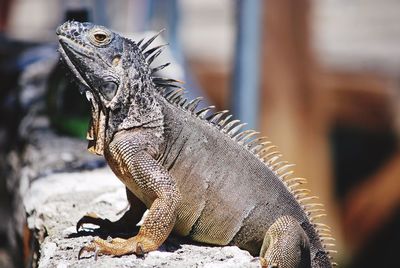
264, 264
138, 245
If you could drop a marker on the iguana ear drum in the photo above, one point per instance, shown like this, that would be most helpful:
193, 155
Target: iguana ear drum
116, 60
108, 89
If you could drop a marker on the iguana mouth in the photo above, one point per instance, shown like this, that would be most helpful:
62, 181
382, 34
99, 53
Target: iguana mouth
96, 131
67, 47
64, 49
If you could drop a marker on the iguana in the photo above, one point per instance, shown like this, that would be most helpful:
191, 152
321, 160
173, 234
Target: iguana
196, 171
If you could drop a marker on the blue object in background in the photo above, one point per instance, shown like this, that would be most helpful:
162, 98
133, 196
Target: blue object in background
246, 81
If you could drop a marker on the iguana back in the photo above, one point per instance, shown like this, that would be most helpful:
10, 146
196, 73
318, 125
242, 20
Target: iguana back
231, 195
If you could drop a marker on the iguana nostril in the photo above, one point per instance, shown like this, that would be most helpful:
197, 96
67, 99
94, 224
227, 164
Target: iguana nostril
62, 28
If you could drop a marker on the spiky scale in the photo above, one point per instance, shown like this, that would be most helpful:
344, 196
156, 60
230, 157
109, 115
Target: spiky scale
255, 142
298, 180
162, 90
182, 102
192, 105
311, 205
283, 168
152, 50
164, 81
275, 156
177, 99
174, 93
168, 91
159, 68
167, 85
272, 157
178, 96
275, 166
318, 210
297, 196
293, 186
235, 130
155, 55
322, 225
265, 143
301, 191
258, 147
268, 148
326, 245
145, 45
324, 238
140, 42
317, 216
222, 123
203, 112
229, 126
327, 232
287, 175
265, 150
308, 198
214, 118
246, 135
279, 164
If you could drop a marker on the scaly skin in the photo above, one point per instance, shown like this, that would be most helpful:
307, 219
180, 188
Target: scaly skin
199, 176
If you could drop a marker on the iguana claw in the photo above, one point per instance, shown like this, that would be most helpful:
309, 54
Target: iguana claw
92, 218
264, 264
89, 248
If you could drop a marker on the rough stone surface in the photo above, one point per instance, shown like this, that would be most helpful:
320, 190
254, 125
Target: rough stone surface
55, 203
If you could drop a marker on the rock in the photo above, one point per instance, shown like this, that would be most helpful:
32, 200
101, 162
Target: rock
55, 203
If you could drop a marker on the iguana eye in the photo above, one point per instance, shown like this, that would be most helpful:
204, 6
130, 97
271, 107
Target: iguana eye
108, 89
100, 37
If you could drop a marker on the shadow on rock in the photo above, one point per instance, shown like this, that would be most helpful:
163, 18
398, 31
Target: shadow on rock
172, 243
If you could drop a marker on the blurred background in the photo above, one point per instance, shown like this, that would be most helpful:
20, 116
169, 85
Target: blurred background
321, 78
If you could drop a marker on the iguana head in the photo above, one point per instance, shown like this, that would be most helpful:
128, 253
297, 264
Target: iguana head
114, 73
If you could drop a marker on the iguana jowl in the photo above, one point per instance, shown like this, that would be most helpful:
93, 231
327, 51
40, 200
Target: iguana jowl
199, 175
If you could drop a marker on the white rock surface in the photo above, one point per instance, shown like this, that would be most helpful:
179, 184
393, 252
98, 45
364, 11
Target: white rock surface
55, 203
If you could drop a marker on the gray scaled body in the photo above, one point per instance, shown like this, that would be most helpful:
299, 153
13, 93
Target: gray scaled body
199, 174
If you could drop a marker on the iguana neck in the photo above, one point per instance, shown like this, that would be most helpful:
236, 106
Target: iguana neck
134, 107
137, 107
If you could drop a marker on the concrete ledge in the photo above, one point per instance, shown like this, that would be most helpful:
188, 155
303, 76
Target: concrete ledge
55, 203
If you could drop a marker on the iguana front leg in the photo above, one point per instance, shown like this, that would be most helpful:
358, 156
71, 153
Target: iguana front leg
127, 223
150, 181
285, 245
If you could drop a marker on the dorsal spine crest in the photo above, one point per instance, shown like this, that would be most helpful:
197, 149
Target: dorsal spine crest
260, 147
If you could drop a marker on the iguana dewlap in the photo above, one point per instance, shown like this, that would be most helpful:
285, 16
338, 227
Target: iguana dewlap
199, 175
